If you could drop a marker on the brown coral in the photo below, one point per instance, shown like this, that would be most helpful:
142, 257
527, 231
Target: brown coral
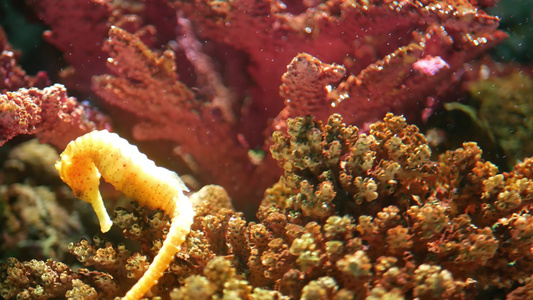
420, 228
34, 206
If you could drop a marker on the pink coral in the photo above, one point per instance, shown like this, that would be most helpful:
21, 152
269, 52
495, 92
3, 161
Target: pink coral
12, 76
357, 58
430, 65
376, 41
169, 111
79, 30
357, 213
49, 113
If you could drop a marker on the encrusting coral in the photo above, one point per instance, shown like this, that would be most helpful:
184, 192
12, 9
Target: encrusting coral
355, 216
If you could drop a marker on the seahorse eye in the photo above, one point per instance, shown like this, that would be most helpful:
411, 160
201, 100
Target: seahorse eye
79, 194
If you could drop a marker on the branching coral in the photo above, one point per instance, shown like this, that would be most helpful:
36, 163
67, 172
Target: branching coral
167, 106
12, 76
356, 215
35, 279
377, 41
214, 69
404, 202
28, 106
367, 213
105, 154
49, 113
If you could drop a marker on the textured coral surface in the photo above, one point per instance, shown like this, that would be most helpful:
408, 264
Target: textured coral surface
355, 216
199, 75
291, 123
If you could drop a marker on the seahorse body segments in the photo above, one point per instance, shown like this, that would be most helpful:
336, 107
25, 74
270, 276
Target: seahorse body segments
100, 153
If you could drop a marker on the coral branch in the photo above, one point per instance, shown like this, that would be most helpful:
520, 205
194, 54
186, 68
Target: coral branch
80, 29
81, 41
147, 86
49, 113
355, 214
12, 76
377, 41
305, 88
222, 98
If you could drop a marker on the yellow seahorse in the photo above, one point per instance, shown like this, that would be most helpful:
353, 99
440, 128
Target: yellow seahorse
131, 172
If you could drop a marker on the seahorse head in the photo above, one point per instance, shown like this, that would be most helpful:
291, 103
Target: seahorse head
78, 171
